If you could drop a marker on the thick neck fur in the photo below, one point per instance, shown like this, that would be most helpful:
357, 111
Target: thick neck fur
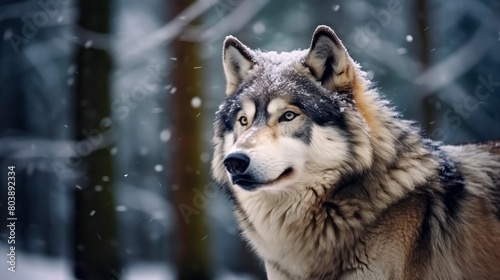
342, 204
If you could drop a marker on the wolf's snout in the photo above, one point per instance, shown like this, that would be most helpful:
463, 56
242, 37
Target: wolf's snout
236, 163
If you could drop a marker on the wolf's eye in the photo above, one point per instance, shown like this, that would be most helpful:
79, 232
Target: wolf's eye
287, 116
243, 120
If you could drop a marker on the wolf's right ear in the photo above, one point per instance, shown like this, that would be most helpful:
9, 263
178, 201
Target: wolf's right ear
238, 60
329, 61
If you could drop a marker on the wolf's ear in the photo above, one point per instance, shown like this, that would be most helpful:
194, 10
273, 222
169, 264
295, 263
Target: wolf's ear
237, 60
329, 61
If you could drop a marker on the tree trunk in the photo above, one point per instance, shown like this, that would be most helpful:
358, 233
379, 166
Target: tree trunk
189, 173
95, 232
422, 19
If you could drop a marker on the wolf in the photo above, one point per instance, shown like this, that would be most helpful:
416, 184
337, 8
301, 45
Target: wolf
329, 182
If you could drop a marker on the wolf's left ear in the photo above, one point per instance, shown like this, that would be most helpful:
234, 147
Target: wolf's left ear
237, 60
329, 61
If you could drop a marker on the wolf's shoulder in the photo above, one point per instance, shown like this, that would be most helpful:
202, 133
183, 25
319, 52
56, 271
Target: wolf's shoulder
479, 164
476, 154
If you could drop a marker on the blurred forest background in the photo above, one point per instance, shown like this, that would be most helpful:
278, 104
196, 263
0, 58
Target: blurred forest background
106, 110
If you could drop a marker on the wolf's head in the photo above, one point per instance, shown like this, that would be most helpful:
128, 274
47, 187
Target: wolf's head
290, 117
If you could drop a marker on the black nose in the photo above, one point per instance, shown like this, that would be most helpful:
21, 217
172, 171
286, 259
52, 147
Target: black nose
236, 163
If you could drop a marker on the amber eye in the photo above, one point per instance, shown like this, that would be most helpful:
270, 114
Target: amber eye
288, 116
243, 120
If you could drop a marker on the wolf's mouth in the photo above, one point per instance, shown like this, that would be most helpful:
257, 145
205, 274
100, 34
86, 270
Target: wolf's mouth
248, 183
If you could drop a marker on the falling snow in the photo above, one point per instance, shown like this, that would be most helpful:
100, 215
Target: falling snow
140, 122
121, 208
196, 102
165, 135
259, 28
158, 168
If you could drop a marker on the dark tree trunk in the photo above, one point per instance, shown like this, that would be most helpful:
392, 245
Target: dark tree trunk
95, 232
424, 54
189, 173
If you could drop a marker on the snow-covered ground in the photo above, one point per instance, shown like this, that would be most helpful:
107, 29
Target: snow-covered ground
30, 267
36, 267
